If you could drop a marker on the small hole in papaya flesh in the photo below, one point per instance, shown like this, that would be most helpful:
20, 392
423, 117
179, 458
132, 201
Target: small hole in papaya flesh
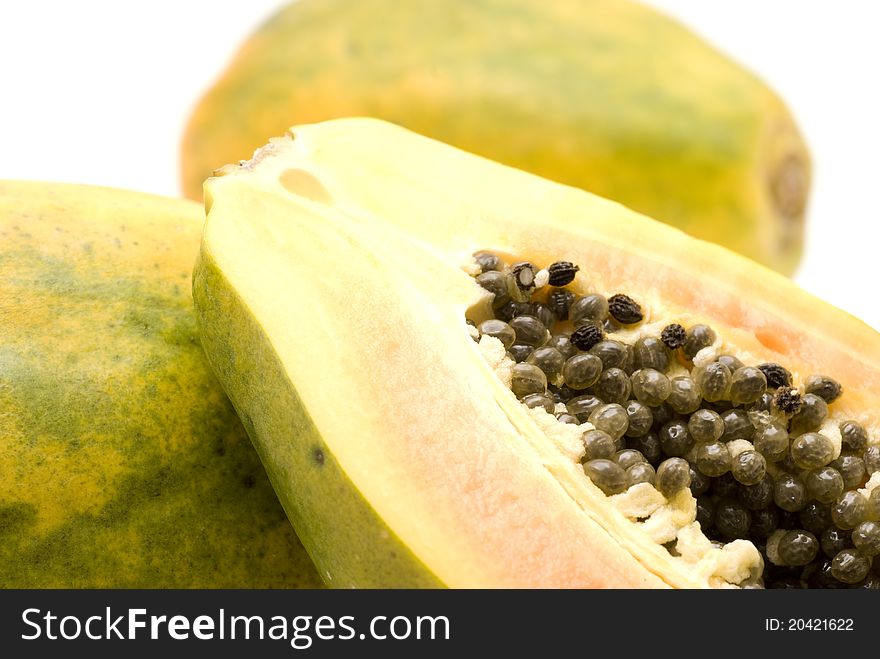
305, 184
773, 338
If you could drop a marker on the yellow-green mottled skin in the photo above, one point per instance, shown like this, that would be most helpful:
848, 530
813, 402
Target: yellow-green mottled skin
122, 462
606, 95
353, 546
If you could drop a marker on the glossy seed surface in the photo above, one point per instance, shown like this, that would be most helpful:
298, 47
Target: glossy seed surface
520, 353
673, 475
640, 418
749, 441
748, 467
697, 338
529, 331
850, 566
611, 418
549, 360
771, 441
706, 426
581, 371
527, 379
828, 389
598, 444
810, 415
613, 385
824, 484
849, 510
592, 307
500, 330
713, 458
790, 493
650, 386
747, 383
607, 475
714, 381
812, 450
684, 395
650, 352
798, 547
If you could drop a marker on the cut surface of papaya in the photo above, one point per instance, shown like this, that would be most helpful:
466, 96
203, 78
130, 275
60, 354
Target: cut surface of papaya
122, 462
346, 301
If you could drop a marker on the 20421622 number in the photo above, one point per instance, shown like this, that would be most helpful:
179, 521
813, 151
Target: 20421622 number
820, 624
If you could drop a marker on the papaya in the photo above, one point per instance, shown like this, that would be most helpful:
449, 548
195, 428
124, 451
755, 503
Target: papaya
122, 462
607, 95
461, 374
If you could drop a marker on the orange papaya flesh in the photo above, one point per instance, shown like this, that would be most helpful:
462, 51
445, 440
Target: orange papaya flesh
443, 473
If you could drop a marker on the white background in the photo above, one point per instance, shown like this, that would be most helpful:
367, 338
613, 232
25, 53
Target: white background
97, 91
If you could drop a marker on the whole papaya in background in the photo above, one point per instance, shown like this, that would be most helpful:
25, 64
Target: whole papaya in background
122, 462
607, 95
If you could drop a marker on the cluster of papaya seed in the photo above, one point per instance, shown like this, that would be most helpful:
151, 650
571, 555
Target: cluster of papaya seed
745, 441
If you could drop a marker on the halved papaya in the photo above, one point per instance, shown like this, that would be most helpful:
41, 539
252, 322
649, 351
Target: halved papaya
339, 298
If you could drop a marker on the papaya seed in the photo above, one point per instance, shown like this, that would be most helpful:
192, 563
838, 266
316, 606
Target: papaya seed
776, 375
673, 335
586, 336
561, 273
624, 309
788, 400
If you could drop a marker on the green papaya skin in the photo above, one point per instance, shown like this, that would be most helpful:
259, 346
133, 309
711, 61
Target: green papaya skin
356, 549
606, 95
122, 462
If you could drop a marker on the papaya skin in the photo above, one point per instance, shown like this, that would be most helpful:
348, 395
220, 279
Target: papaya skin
430, 451
371, 555
122, 462
605, 95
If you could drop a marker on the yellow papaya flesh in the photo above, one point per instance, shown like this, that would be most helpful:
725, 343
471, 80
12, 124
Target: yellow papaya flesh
122, 462
332, 289
607, 95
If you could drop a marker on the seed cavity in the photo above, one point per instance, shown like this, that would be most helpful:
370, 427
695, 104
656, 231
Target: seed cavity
690, 442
